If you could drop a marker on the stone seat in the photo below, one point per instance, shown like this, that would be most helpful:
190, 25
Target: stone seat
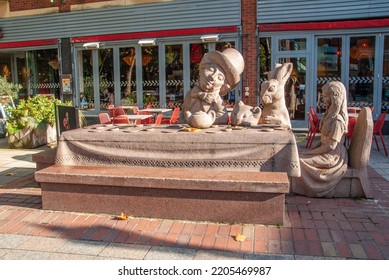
45, 158
171, 193
356, 182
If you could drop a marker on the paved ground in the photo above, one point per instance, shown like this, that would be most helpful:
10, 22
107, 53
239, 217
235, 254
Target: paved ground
314, 228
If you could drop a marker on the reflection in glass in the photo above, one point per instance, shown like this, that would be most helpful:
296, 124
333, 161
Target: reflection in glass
329, 54
128, 75
295, 87
361, 73
174, 76
42, 72
385, 78
197, 52
150, 70
298, 44
86, 79
228, 99
264, 57
106, 78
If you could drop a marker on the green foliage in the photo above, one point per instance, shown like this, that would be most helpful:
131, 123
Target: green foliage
131, 99
32, 112
9, 89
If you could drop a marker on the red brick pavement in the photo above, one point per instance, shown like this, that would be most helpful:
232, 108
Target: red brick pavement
345, 228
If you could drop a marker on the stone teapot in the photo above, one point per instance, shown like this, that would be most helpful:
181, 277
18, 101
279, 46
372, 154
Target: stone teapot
201, 119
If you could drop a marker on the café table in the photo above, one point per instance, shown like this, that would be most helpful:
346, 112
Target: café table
155, 110
221, 148
134, 118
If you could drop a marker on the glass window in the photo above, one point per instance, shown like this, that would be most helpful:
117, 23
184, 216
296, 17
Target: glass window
299, 44
385, 78
264, 57
329, 54
174, 76
106, 78
42, 72
128, 75
229, 99
86, 79
362, 60
150, 70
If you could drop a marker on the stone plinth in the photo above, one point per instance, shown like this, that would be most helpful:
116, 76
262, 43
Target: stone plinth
173, 193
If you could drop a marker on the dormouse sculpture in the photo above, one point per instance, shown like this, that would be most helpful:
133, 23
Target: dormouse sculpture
245, 115
272, 97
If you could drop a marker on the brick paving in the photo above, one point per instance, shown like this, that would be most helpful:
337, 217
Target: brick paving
314, 228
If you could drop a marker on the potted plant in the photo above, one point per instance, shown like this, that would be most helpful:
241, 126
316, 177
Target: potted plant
8, 92
32, 122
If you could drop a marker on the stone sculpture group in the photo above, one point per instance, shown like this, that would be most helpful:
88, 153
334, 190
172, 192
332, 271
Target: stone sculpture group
323, 166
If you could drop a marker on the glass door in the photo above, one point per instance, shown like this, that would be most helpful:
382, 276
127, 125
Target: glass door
385, 77
295, 88
361, 71
174, 75
329, 65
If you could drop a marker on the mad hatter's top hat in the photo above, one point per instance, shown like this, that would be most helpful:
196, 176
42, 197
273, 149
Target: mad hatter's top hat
230, 60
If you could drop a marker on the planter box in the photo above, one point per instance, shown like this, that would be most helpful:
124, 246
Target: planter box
30, 138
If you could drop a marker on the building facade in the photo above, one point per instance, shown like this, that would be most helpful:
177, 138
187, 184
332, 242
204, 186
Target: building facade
100, 52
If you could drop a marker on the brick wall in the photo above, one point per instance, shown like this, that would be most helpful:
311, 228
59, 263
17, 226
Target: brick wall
23, 5
249, 49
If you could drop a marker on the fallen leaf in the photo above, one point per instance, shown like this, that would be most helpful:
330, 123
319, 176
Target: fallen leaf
123, 216
239, 237
10, 174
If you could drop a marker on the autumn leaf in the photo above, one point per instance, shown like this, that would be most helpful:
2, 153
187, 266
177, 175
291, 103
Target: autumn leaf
123, 216
239, 237
10, 174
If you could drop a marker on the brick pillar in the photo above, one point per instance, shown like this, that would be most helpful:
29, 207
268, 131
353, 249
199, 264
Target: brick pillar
249, 50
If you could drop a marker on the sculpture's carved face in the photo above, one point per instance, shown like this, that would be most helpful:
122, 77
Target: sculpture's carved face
326, 99
211, 78
270, 91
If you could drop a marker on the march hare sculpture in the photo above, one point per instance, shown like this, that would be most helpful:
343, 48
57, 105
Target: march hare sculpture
272, 98
219, 74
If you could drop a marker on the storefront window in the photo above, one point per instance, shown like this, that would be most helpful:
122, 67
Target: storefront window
197, 52
174, 76
295, 94
128, 75
150, 70
42, 72
106, 78
264, 57
385, 77
362, 60
329, 58
87, 97
229, 98
299, 44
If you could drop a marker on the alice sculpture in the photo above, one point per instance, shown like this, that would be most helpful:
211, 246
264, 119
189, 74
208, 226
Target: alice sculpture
219, 74
323, 166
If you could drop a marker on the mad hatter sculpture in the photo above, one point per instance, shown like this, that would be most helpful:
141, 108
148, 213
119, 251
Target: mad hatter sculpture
219, 74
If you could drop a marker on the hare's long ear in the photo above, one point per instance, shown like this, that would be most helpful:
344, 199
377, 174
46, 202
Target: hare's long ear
284, 72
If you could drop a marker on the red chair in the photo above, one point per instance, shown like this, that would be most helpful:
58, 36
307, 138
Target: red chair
144, 121
174, 117
121, 120
104, 118
116, 111
135, 110
315, 118
350, 129
158, 119
313, 129
377, 129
